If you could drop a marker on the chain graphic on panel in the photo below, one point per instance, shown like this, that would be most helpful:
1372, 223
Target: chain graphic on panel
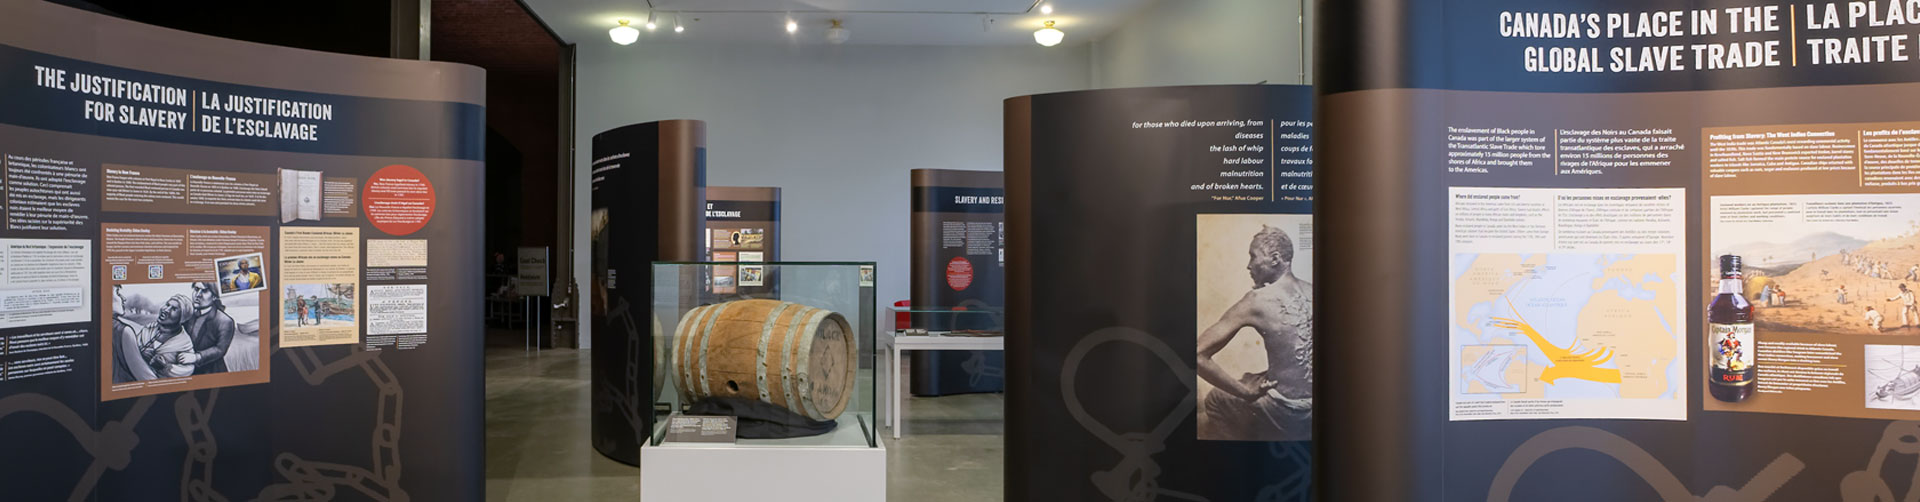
111, 446
1870, 484
976, 367
196, 477
1656, 474
1299, 479
626, 397
1136, 477
310, 480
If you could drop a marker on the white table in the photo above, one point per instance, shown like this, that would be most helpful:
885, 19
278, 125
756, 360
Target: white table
893, 344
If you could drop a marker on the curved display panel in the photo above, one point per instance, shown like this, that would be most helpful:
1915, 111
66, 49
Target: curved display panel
234, 271
1660, 247
649, 188
959, 256
1160, 244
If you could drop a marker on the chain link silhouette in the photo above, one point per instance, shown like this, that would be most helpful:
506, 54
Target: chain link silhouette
626, 397
195, 419
1137, 477
111, 446
310, 480
1656, 474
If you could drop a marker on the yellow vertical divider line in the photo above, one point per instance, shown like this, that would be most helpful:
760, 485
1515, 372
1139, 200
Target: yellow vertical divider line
1793, 32
1556, 151
1860, 155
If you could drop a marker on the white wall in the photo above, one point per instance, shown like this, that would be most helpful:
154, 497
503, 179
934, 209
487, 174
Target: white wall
1206, 42
837, 127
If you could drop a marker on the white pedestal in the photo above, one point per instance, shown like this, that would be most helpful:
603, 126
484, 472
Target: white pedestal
731, 473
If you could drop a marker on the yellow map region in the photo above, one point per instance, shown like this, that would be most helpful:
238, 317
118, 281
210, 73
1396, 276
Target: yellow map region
1625, 332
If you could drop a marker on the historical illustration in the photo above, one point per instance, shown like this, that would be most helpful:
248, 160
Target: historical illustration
305, 305
1255, 338
240, 274
173, 330
1893, 377
1831, 264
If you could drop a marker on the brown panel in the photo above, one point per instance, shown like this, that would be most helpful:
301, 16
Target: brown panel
681, 191
1018, 146
46, 27
927, 245
758, 195
1372, 431
768, 194
957, 178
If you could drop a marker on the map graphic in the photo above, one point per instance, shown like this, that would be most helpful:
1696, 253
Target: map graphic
1568, 336
1494, 368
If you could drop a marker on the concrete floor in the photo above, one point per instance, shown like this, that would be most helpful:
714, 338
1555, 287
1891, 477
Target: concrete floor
538, 450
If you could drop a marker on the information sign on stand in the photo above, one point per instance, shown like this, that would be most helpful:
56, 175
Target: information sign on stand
532, 277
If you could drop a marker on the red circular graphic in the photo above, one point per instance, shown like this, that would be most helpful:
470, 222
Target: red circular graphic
959, 273
398, 200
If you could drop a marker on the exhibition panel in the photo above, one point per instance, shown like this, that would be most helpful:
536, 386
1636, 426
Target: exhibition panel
1662, 247
648, 190
232, 270
743, 225
959, 239
1160, 255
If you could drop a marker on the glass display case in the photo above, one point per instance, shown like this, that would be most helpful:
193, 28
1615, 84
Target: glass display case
792, 361
974, 327
966, 320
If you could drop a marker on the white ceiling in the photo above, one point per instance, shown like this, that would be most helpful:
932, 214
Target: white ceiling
871, 22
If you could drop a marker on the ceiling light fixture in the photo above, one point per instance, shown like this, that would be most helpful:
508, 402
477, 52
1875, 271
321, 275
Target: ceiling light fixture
677, 27
792, 27
1049, 36
623, 34
650, 25
837, 34
1046, 9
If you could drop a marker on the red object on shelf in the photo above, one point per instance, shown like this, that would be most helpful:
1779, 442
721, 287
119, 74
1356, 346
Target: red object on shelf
902, 320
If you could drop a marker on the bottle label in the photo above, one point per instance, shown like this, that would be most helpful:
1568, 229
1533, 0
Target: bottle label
1731, 346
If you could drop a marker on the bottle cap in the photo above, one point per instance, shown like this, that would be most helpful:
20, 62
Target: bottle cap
1729, 265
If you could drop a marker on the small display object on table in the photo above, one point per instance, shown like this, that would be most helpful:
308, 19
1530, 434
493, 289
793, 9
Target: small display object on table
792, 372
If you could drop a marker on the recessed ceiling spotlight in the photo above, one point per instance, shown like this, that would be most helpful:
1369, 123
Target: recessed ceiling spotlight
1046, 9
623, 34
792, 27
1049, 36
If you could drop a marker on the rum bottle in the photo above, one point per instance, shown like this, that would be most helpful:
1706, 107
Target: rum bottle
1730, 346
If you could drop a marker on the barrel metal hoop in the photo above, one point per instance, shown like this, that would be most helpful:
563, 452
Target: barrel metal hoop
706, 387
680, 334
806, 351
760, 355
791, 396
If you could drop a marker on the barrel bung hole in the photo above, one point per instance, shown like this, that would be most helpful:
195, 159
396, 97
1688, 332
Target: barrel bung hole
733, 386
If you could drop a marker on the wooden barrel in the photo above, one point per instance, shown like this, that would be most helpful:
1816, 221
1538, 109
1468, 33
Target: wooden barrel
794, 356
659, 359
